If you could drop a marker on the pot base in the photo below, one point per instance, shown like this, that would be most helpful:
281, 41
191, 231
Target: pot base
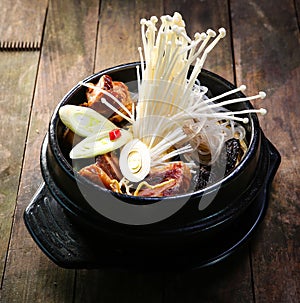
71, 246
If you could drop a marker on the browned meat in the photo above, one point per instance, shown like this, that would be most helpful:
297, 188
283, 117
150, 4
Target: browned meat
169, 180
104, 171
110, 164
177, 173
96, 174
117, 89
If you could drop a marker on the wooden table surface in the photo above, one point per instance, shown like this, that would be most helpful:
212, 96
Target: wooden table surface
76, 38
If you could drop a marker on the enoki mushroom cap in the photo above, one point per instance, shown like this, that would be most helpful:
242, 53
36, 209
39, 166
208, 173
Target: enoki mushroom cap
169, 53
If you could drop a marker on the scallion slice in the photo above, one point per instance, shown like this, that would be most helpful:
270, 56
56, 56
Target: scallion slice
84, 121
99, 144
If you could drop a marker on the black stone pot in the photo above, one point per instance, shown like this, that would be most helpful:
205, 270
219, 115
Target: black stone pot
209, 224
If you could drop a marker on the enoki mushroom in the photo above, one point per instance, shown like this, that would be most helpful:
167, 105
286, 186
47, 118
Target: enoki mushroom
173, 115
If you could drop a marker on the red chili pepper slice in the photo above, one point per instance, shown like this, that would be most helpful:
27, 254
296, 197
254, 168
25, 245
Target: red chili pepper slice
114, 134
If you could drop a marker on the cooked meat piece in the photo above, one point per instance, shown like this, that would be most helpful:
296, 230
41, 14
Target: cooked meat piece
104, 171
115, 88
110, 164
160, 190
94, 95
96, 174
177, 173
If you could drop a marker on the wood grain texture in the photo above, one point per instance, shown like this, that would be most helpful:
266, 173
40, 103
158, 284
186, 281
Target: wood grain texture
269, 59
224, 282
16, 93
22, 20
201, 16
297, 12
119, 286
119, 30
17, 81
67, 57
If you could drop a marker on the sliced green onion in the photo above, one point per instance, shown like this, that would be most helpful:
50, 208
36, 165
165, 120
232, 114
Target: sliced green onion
84, 121
99, 144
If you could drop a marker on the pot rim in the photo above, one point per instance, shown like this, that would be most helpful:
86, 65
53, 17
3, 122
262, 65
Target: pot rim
68, 169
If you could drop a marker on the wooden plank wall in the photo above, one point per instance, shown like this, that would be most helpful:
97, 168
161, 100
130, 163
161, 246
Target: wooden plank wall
67, 56
114, 26
269, 58
17, 78
16, 98
22, 20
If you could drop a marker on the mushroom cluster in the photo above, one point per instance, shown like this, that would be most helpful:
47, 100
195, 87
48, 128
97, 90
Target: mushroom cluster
172, 116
